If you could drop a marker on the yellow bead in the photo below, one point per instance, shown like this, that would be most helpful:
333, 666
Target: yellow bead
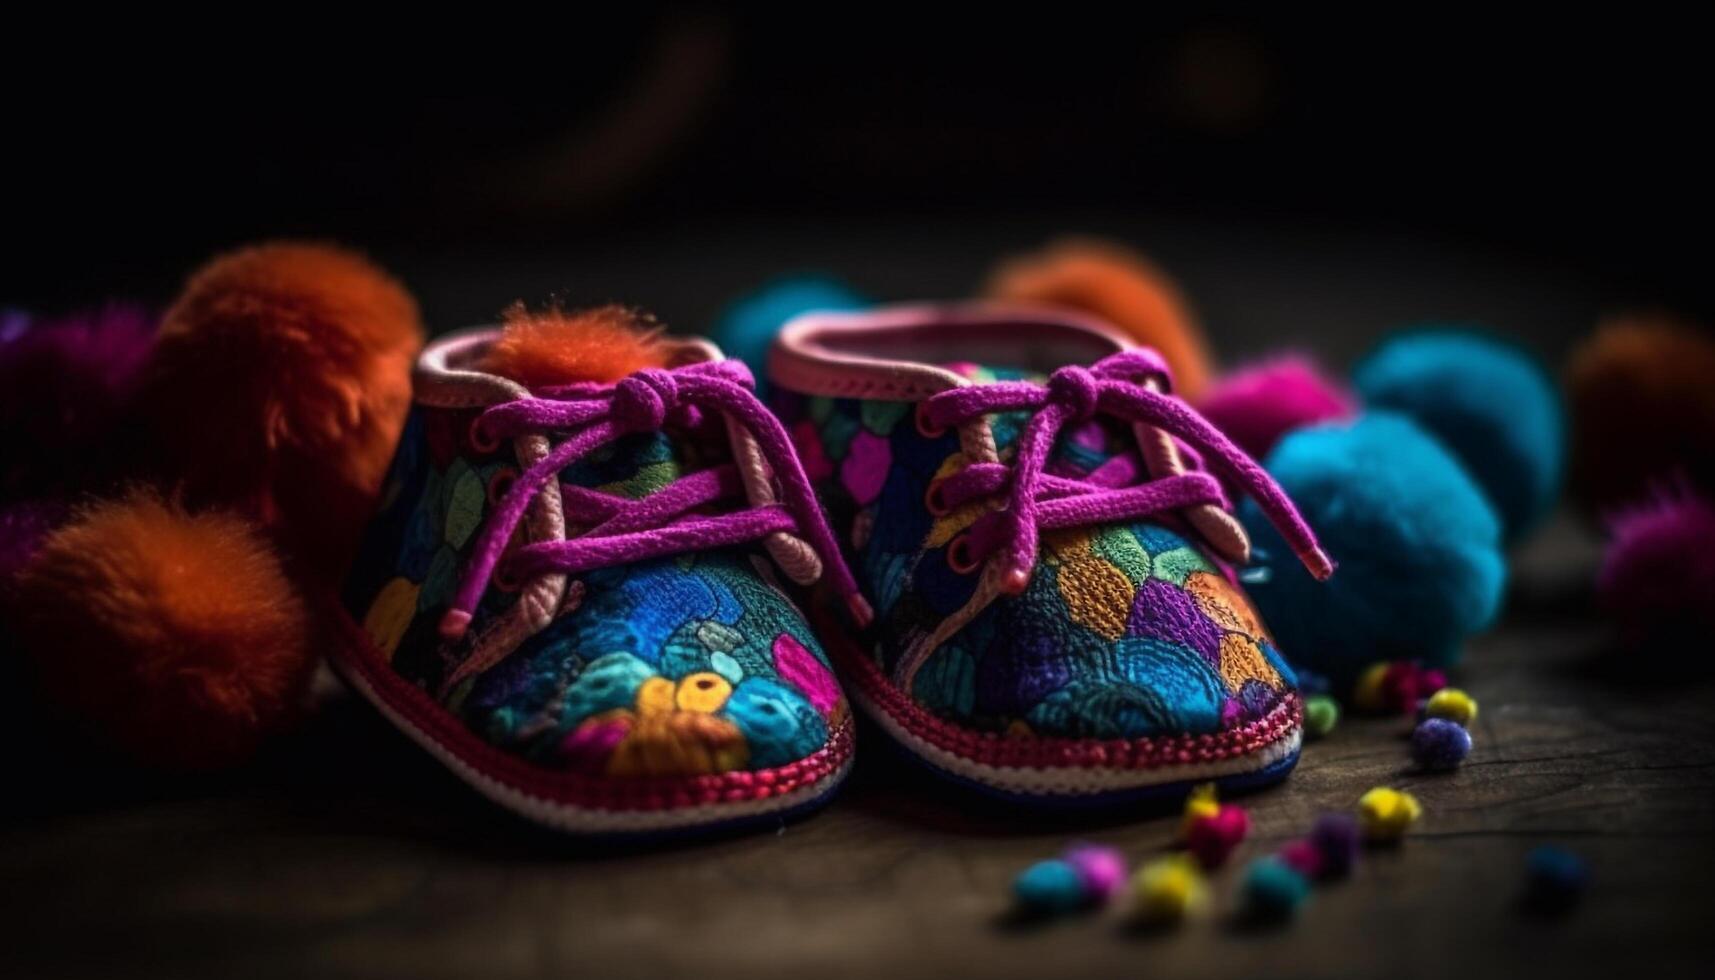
1367, 693
704, 692
1385, 814
1200, 804
1454, 705
1168, 889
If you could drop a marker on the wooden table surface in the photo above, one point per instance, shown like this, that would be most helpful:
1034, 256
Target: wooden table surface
347, 852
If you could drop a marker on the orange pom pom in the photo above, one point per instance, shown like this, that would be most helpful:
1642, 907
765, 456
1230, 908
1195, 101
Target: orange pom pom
175, 638
554, 347
279, 383
1643, 410
1120, 286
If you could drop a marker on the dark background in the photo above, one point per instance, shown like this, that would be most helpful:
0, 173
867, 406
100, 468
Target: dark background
673, 158
1311, 179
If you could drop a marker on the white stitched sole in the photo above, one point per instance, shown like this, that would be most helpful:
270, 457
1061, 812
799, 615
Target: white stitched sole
1075, 781
585, 820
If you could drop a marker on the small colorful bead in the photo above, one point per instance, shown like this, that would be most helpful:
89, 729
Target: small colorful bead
1048, 887
1211, 840
1201, 803
1303, 857
1274, 890
1452, 704
1168, 890
1386, 814
1439, 745
1100, 869
1395, 688
1336, 835
1556, 879
1321, 714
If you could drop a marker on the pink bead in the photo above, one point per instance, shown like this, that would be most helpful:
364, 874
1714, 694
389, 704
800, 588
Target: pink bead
1213, 839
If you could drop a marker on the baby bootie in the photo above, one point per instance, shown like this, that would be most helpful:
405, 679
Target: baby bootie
571, 592
1026, 506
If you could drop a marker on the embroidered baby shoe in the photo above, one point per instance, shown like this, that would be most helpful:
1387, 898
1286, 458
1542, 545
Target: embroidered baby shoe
1056, 618
569, 595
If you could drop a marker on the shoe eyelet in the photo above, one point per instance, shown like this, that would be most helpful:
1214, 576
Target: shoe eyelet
480, 439
935, 501
959, 557
924, 427
500, 483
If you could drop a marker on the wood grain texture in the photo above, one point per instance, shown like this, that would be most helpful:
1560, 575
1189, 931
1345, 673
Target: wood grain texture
348, 853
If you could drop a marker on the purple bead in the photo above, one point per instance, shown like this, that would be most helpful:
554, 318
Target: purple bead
1101, 869
1439, 744
1337, 837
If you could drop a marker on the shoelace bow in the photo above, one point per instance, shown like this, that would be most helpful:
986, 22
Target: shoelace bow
1114, 386
668, 521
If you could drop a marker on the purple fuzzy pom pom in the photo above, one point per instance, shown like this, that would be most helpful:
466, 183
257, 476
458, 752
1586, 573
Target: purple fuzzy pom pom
1439, 744
1658, 577
1337, 837
1257, 405
64, 385
23, 526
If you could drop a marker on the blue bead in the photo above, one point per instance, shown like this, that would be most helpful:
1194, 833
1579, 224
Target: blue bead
1049, 886
1557, 878
1274, 890
1439, 744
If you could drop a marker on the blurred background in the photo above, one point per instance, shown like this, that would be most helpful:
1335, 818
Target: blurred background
1308, 176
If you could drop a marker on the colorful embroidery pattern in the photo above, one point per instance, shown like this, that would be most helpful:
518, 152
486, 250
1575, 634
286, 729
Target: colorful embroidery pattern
1126, 631
677, 666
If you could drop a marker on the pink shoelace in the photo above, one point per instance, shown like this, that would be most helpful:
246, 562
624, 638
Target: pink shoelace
674, 519
1035, 501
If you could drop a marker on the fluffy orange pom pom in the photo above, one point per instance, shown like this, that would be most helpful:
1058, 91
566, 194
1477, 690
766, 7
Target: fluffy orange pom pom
554, 347
175, 638
279, 383
1643, 410
1120, 286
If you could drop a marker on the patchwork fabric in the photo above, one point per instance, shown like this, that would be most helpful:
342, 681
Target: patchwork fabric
683, 665
1125, 631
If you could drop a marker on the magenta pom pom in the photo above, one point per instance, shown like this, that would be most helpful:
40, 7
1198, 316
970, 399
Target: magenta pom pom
1101, 869
1658, 577
1211, 840
1257, 405
64, 385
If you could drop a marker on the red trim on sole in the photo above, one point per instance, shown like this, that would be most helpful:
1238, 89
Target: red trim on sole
357, 653
1053, 752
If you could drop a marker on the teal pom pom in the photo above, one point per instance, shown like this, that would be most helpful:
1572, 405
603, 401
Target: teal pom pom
1490, 402
1416, 544
1273, 889
749, 325
1049, 886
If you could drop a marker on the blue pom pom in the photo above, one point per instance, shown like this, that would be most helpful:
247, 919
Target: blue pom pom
1489, 402
1273, 889
1416, 543
1049, 886
1439, 744
748, 326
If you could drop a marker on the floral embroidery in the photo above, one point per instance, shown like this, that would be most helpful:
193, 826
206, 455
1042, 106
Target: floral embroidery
1125, 631
684, 665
